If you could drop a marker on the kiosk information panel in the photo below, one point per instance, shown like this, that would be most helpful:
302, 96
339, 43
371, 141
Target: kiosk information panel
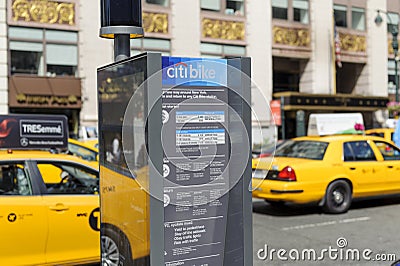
196, 143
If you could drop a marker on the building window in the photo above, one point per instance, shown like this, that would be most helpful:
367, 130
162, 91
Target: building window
43, 52
279, 9
392, 22
229, 7
221, 50
234, 7
354, 20
61, 59
158, 2
26, 58
358, 18
340, 14
391, 77
151, 45
291, 10
300, 11
284, 81
210, 5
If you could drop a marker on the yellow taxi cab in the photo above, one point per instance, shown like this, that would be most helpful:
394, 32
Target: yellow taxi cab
84, 150
125, 217
386, 133
328, 170
94, 143
49, 209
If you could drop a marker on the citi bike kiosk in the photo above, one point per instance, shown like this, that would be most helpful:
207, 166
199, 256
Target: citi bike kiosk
175, 161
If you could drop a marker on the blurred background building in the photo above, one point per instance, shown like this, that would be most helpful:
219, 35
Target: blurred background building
49, 52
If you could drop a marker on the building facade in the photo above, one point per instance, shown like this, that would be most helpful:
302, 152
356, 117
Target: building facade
50, 50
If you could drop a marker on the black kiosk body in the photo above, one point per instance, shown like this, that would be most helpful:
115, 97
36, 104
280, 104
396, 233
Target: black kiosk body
175, 161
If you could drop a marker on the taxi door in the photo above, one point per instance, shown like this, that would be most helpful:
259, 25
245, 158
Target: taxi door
390, 165
73, 215
23, 217
73, 228
362, 166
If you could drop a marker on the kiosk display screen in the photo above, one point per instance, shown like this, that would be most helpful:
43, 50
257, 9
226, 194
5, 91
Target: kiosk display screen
123, 161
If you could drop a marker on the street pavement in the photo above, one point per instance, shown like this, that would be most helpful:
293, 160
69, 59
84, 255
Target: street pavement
371, 226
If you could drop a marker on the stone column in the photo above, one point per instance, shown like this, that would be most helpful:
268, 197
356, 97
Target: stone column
3, 59
377, 50
93, 53
319, 73
259, 48
185, 28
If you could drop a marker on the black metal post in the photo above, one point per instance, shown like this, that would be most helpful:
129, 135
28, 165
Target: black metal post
122, 48
283, 118
395, 46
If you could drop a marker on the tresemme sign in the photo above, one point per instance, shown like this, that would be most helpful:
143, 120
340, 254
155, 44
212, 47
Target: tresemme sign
33, 132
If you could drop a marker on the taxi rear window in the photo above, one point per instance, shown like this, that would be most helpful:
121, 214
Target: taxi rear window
382, 135
314, 150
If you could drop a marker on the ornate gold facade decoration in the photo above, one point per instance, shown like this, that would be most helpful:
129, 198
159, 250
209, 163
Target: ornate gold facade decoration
291, 36
155, 22
44, 11
352, 43
222, 29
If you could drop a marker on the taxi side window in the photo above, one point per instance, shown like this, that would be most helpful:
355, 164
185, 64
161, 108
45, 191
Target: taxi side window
66, 178
358, 151
348, 154
14, 180
389, 152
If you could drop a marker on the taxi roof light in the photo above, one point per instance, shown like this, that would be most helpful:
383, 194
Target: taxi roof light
287, 174
328, 124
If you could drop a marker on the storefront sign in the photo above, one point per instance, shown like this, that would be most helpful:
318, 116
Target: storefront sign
276, 111
47, 100
33, 132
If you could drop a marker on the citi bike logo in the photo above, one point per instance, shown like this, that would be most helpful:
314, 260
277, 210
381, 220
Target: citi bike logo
184, 71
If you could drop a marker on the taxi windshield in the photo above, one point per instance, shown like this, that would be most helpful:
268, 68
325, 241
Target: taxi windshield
82, 152
314, 150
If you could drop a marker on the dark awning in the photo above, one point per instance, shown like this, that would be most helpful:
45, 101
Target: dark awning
338, 102
30, 85
44, 92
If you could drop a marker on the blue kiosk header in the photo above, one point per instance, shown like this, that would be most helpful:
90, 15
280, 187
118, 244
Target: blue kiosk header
194, 71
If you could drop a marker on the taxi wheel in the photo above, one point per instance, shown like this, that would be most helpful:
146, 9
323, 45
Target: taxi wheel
337, 197
115, 249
